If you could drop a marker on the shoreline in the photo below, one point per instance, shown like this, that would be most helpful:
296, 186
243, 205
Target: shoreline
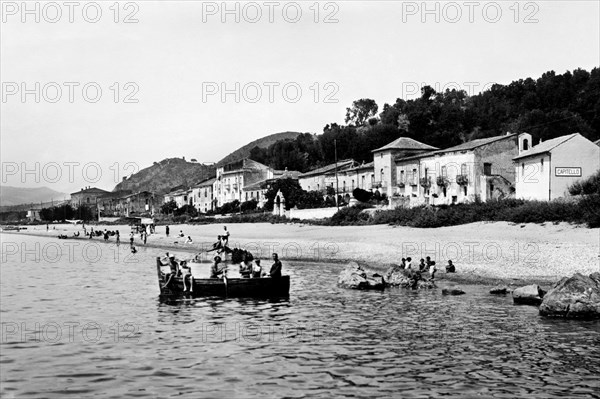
484, 253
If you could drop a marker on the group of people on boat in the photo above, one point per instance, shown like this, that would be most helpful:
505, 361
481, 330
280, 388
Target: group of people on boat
249, 268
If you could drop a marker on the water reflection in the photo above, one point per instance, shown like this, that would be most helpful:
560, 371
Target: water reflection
322, 341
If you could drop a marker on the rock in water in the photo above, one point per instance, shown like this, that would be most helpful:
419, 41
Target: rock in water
355, 277
528, 295
452, 290
406, 278
500, 290
575, 297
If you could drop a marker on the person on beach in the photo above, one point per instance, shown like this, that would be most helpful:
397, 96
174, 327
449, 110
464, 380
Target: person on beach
181, 235
145, 237
131, 237
47, 227
167, 230
450, 267
225, 237
91, 232
422, 265
186, 273
215, 270
188, 240
403, 263
133, 250
276, 267
256, 269
105, 235
408, 263
118, 237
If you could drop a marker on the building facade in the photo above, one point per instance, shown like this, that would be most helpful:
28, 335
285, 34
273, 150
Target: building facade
384, 161
480, 168
321, 178
231, 179
545, 172
203, 197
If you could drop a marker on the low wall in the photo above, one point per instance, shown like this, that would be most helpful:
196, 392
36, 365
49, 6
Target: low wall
108, 219
317, 213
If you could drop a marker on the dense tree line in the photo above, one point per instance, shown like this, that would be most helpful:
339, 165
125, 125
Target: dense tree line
551, 106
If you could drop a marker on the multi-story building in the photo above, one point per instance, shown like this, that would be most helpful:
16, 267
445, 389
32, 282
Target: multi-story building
545, 171
384, 161
232, 177
321, 178
88, 196
202, 195
480, 168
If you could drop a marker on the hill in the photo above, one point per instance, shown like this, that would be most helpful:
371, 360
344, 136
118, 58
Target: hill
10, 196
168, 173
264, 142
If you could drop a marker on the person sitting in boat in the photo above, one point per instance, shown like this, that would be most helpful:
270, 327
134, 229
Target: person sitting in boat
276, 267
422, 265
174, 270
246, 267
450, 267
256, 269
215, 270
186, 273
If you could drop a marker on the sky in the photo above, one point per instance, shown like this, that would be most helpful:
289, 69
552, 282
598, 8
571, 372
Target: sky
94, 91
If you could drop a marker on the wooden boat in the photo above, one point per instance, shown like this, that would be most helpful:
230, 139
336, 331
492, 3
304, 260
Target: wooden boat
264, 287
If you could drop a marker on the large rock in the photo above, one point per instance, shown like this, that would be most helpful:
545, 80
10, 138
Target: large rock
575, 297
528, 295
500, 290
406, 278
452, 290
355, 277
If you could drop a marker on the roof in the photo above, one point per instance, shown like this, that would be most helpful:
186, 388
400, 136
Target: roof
473, 144
259, 185
405, 143
597, 142
284, 174
329, 168
546, 146
359, 167
207, 182
91, 190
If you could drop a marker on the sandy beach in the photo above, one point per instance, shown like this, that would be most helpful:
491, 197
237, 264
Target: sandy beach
482, 252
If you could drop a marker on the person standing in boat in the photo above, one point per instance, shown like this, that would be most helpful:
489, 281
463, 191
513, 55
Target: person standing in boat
276, 267
225, 237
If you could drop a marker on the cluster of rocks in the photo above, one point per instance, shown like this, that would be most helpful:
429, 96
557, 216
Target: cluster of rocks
355, 277
571, 297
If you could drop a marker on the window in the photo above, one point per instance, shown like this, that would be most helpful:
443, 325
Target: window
444, 172
465, 190
381, 173
414, 176
463, 169
487, 169
542, 165
353, 184
525, 145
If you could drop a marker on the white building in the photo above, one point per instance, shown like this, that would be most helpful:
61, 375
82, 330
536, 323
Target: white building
545, 171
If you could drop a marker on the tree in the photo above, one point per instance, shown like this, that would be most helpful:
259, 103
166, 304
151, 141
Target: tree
168, 207
361, 111
290, 189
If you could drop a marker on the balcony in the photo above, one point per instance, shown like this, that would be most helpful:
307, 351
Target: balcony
378, 184
462, 180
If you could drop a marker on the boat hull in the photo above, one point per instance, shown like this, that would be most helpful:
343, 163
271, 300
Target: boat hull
264, 287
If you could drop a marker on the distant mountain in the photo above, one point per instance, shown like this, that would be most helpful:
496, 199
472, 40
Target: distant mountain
10, 196
162, 176
264, 142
